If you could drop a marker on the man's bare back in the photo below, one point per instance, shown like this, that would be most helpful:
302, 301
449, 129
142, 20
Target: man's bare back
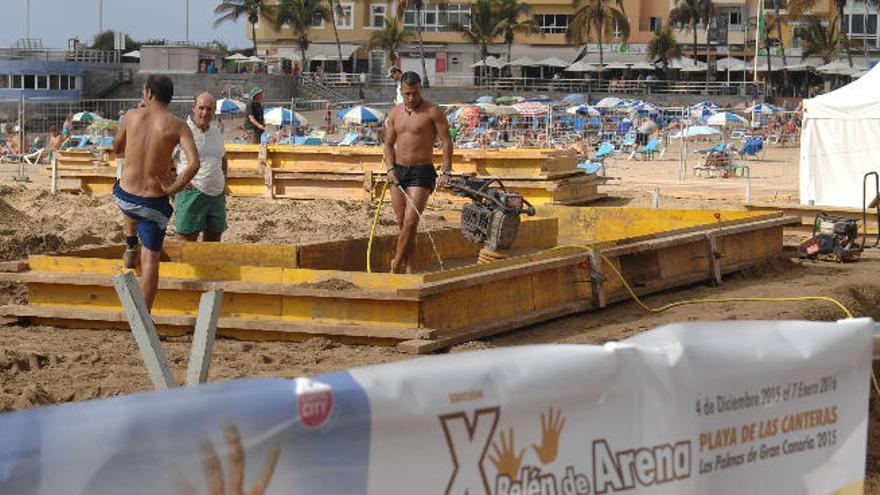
149, 136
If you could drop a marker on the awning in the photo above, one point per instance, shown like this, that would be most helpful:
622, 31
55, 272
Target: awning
580, 66
525, 62
554, 62
730, 64
490, 62
326, 51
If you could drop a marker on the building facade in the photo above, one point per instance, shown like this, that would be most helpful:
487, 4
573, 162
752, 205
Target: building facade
447, 56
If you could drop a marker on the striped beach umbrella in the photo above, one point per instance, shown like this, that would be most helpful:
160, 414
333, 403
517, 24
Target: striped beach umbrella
531, 108
360, 115
283, 116
86, 117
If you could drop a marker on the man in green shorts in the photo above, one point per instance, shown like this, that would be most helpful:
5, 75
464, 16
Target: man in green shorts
201, 207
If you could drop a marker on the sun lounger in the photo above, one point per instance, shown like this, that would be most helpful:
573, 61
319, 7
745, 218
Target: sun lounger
647, 150
752, 146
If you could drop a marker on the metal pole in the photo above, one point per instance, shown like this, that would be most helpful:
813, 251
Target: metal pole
28, 20
187, 21
100, 16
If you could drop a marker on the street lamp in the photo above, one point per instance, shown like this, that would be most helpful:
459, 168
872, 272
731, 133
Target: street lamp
100, 16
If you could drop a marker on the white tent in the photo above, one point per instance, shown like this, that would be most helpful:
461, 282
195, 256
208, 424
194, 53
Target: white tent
840, 141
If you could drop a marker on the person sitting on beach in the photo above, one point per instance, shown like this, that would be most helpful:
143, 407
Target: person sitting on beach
55, 139
201, 206
148, 136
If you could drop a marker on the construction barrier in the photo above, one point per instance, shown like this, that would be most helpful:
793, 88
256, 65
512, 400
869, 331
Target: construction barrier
691, 408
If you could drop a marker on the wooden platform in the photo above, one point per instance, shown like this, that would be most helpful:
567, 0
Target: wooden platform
293, 292
356, 173
807, 213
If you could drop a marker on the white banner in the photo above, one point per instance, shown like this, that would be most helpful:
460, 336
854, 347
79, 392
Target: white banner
731, 407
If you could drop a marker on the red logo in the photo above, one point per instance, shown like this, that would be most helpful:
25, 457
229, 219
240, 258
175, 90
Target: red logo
314, 403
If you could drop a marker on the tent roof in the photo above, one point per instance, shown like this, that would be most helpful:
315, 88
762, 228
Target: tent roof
857, 100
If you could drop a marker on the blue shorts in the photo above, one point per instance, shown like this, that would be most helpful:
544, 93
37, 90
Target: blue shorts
151, 214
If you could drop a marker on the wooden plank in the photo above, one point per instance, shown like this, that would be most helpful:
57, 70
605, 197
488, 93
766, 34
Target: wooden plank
144, 331
203, 337
88, 279
713, 256
13, 266
483, 277
597, 279
188, 321
424, 346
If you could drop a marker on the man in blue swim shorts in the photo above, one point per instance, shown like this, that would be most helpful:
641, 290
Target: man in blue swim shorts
147, 137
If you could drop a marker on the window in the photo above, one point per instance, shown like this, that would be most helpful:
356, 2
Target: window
858, 26
377, 16
872, 25
846, 23
42, 82
72, 84
53, 82
439, 17
345, 16
17, 81
65, 83
317, 21
4, 81
30, 81
552, 23
654, 23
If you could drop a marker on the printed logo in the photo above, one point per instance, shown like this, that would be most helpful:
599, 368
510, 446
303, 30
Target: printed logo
314, 402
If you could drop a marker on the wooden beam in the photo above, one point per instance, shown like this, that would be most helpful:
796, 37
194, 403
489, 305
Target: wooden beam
713, 256
13, 266
597, 279
143, 330
422, 346
224, 323
203, 337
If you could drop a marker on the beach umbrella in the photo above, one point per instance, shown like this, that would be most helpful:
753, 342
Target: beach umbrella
579, 66
132, 54
468, 115
531, 108
525, 62
540, 99
610, 102
86, 117
697, 130
225, 105
554, 62
762, 108
485, 99
505, 100
493, 109
360, 115
725, 119
583, 110
283, 116
575, 99
237, 57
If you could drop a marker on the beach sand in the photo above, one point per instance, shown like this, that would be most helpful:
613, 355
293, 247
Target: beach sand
41, 365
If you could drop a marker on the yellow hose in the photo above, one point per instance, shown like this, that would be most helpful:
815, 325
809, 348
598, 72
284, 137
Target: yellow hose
635, 297
375, 223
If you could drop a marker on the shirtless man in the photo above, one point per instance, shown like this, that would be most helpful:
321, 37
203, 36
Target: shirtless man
148, 136
412, 129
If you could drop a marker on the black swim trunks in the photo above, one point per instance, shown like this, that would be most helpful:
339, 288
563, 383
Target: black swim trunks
416, 176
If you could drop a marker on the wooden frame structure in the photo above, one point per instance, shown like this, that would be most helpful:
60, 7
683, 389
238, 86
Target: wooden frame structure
356, 172
296, 292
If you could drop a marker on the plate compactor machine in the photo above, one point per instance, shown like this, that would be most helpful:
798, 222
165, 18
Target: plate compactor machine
835, 238
492, 217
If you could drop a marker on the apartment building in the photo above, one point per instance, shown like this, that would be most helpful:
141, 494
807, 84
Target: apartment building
733, 33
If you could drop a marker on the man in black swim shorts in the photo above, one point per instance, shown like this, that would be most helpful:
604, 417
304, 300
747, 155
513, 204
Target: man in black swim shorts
412, 128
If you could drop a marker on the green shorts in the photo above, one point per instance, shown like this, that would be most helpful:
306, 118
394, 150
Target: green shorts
197, 212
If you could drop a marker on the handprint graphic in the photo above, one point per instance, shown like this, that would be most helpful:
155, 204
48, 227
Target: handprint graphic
551, 427
504, 458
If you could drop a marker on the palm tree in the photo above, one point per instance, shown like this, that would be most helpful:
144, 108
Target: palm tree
819, 40
390, 38
485, 27
509, 13
599, 17
690, 13
334, 10
232, 10
419, 5
781, 43
800, 7
299, 15
663, 47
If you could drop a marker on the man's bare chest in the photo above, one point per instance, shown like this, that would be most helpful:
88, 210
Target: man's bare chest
414, 123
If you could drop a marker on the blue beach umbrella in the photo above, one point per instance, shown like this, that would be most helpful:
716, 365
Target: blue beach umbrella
283, 116
360, 115
575, 99
725, 119
226, 106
